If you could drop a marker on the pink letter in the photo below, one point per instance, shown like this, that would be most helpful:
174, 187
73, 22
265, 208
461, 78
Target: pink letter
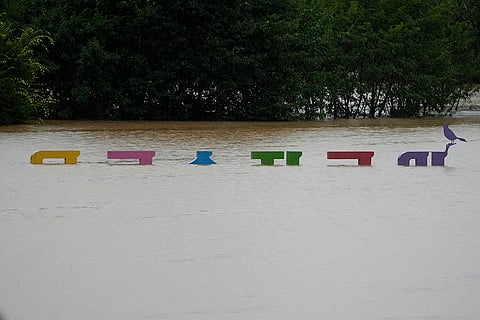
144, 157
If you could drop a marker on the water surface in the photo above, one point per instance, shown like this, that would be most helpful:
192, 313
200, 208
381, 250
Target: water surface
236, 240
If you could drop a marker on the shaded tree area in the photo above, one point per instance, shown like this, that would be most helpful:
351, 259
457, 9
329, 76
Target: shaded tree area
173, 60
390, 58
20, 98
248, 60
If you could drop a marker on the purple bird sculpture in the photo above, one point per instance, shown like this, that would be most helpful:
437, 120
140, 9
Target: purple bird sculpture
450, 135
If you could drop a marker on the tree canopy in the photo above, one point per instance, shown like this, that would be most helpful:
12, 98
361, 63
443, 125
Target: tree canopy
19, 97
238, 60
389, 57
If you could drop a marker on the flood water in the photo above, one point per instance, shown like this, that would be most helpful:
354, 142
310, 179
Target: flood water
237, 240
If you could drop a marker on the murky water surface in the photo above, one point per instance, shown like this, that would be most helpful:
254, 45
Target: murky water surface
236, 240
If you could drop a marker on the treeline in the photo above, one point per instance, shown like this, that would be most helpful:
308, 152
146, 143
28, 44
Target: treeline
235, 60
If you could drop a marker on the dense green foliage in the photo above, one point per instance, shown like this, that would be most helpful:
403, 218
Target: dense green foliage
391, 57
241, 60
19, 98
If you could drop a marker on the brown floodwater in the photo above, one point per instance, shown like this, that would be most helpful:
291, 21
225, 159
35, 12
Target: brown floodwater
236, 240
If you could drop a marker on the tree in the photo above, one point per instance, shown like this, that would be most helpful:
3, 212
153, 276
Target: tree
137, 59
390, 57
20, 98
254, 59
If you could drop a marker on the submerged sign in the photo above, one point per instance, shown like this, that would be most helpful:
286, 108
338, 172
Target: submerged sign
438, 157
203, 157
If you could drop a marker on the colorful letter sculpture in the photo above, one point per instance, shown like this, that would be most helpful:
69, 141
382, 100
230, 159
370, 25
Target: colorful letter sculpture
70, 156
420, 157
438, 157
203, 158
364, 157
267, 158
293, 158
144, 157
